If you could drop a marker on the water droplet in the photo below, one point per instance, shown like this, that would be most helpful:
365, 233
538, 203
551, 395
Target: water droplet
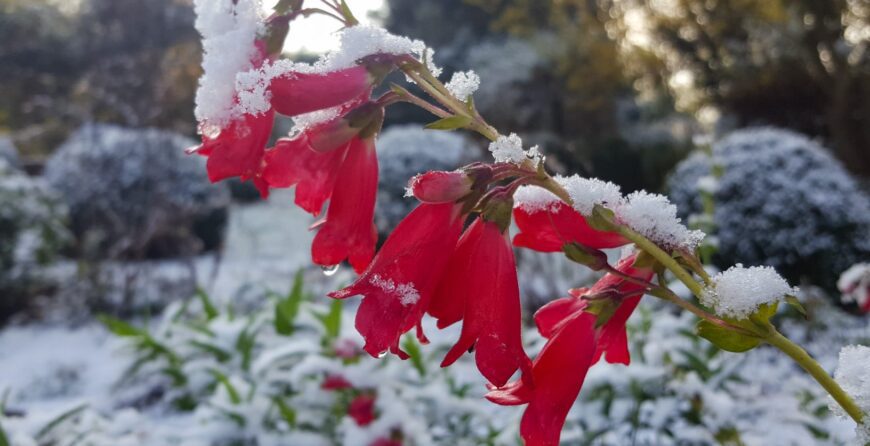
382, 354
210, 131
329, 270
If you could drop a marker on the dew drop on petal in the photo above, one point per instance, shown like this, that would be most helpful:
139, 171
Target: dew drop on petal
329, 270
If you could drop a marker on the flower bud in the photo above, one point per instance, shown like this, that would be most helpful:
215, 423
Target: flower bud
440, 186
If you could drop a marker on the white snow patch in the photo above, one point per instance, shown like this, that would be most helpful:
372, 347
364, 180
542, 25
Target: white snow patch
509, 149
229, 30
588, 192
533, 199
463, 84
739, 291
708, 184
654, 217
406, 292
851, 374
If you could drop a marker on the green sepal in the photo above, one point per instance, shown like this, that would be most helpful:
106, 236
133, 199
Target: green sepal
450, 123
594, 259
602, 219
603, 309
725, 339
796, 304
285, 6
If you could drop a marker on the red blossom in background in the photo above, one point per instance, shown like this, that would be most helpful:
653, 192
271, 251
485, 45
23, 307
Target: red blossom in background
574, 343
398, 285
362, 409
547, 230
480, 288
335, 382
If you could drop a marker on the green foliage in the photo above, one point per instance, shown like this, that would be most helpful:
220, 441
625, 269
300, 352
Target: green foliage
450, 123
725, 339
412, 348
287, 308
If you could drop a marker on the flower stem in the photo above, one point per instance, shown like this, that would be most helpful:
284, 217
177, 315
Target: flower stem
800, 356
663, 257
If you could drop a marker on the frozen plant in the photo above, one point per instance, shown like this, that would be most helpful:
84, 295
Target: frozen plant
452, 256
133, 193
782, 201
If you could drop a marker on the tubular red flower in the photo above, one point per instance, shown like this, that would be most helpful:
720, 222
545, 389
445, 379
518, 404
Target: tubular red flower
480, 287
546, 230
293, 162
238, 150
349, 231
362, 409
440, 186
297, 93
574, 344
558, 373
401, 280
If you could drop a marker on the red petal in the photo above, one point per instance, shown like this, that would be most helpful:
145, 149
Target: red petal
238, 150
547, 230
558, 373
362, 409
292, 162
349, 232
415, 254
548, 317
297, 93
482, 276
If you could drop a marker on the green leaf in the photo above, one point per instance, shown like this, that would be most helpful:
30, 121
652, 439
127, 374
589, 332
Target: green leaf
796, 304
120, 328
726, 339
59, 419
235, 398
211, 311
287, 309
220, 354
331, 320
4, 441
287, 412
449, 123
245, 346
412, 348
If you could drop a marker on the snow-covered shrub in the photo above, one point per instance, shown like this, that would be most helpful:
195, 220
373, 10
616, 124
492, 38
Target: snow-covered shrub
32, 231
781, 201
134, 193
404, 151
8, 152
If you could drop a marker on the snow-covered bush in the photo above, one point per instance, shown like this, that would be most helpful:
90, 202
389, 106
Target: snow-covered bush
8, 152
32, 231
404, 151
782, 201
134, 193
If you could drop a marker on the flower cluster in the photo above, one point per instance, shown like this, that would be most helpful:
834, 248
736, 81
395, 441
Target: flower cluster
452, 256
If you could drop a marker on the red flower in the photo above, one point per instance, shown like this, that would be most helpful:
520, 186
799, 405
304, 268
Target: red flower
297, 93
335, 382
574, 344
480, 287
440, 186
349, 231
362, 409
557, 373
399, 284
548, 229
238, 150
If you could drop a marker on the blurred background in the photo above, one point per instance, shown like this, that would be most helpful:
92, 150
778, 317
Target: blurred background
753, 116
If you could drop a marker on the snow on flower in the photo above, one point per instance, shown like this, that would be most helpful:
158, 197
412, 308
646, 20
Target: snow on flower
508, 149
739, 291
588, 192
229, 30
406, 292
854, 283
534, 199
463, 84
654, 217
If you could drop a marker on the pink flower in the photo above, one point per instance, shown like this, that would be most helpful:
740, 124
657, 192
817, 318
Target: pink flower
362, 409
297, 93
547, 230
349, 231
399, 284
573, 345
480, 288
440, 186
